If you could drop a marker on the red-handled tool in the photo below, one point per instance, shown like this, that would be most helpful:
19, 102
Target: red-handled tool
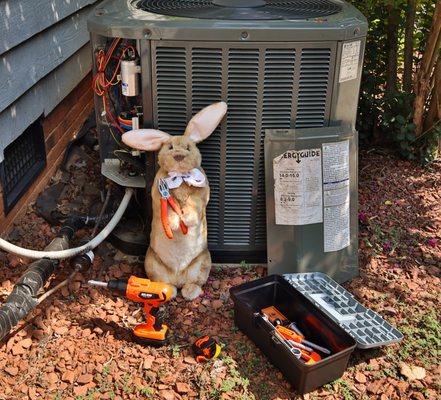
289, 334
166, 199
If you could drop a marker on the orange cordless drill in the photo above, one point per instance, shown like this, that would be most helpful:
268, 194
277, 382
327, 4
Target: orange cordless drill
152, 294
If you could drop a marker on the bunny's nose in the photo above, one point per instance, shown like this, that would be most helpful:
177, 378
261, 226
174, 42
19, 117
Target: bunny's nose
178, 157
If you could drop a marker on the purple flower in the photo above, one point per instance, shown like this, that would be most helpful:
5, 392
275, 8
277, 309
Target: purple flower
432, 242
362, 217
387, 246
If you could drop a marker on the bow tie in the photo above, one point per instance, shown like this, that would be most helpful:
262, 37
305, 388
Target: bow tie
193, 178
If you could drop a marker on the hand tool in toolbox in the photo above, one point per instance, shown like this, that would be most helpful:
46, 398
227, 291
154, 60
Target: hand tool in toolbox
277, 318
166, 198
206, 348
288, 344
290, 333
250, 300
152, 295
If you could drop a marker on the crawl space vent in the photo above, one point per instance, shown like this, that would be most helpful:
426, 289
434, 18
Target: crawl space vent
241, 9
23, 160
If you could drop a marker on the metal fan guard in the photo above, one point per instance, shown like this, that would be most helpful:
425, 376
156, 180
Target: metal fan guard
241, 9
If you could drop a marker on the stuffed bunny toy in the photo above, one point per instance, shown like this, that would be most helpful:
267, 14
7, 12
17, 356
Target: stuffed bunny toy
180, 256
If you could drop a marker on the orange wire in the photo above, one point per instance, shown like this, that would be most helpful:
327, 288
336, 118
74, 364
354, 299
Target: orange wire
100, 84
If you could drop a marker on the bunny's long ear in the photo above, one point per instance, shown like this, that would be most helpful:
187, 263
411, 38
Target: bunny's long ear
145, 139
205, 122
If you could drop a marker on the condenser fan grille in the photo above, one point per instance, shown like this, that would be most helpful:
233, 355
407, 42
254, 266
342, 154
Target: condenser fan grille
266, 86
241, 9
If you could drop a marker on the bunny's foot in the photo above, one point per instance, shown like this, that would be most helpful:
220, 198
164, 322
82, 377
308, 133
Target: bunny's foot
190, 291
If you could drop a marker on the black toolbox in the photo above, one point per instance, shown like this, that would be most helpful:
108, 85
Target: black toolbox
251, 297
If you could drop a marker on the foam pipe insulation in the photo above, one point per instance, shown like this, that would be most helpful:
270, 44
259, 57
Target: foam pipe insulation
23, 298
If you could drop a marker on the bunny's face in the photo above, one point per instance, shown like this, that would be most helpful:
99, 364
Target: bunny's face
179, 154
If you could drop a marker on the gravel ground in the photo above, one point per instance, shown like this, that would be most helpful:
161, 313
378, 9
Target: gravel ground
77, 345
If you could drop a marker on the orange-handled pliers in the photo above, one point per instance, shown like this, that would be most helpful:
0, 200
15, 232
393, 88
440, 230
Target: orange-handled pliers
166, 199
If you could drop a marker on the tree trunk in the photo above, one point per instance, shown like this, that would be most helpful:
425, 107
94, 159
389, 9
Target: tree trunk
408, 46
434, 111
422, 84
392, 44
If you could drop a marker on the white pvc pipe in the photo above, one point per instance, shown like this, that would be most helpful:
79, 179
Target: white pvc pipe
61, 254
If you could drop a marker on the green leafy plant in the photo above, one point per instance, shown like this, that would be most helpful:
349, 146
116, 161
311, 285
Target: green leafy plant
146, 391
386, 107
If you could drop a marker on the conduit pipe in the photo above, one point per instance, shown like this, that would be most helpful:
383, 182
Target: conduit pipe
23, 298
68, 253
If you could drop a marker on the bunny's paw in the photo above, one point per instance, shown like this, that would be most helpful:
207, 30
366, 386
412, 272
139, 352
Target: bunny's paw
190, 291
190, 218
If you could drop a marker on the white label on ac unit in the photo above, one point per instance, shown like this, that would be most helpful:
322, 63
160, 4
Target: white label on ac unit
298, 187
336, 193
350, 56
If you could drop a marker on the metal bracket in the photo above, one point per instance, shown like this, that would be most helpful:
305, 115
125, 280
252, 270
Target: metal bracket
111, 168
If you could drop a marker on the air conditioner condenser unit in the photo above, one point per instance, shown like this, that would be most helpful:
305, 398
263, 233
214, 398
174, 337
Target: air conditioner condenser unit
278, 64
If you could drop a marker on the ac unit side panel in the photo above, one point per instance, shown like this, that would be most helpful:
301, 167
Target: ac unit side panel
266, 86
345, 95
302, 248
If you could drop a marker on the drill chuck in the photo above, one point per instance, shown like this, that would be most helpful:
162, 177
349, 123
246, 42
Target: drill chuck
117, 285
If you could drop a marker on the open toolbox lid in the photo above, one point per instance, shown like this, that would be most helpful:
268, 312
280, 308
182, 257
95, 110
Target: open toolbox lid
364, 325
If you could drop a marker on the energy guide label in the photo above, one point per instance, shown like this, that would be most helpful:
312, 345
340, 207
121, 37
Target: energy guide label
336, 193
298, 187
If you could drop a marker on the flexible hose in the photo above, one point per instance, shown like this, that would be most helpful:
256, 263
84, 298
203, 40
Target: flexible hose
59, 255
23, 298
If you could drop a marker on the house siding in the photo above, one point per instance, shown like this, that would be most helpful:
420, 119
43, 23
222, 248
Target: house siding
45, 64
44, 54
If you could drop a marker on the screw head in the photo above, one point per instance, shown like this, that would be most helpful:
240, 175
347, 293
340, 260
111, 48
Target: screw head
244, 35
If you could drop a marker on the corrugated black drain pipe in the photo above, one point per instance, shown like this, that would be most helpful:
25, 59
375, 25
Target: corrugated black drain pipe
23, 298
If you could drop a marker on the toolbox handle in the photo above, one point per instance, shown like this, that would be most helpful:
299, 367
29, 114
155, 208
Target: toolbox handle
257, 320
276, 340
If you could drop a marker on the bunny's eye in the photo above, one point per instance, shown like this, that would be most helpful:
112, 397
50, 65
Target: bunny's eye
188, 147
170, 147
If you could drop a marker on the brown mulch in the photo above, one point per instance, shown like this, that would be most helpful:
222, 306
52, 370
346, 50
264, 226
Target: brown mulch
77, 345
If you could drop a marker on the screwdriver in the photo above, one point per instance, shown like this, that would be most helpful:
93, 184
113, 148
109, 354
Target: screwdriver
291, 335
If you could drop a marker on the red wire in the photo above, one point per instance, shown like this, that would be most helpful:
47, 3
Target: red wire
112, 119
100, 77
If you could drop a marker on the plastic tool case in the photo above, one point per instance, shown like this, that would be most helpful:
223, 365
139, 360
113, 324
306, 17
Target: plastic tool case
249, 298
365, 326
325, 312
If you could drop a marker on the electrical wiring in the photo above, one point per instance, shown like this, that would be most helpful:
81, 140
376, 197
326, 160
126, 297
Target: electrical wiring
116, 154
112, 133
101, 83
112, 118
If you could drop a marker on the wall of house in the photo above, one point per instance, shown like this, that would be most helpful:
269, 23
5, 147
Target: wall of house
45, 59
